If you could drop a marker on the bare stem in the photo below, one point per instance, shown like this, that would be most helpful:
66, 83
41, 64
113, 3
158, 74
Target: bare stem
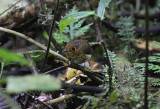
34, 42
66, 97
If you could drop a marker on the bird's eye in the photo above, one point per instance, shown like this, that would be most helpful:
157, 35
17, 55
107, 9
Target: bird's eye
73, 49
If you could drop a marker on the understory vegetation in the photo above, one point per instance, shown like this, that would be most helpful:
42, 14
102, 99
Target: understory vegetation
36, 73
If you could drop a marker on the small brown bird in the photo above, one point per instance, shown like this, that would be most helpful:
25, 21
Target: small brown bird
78, 51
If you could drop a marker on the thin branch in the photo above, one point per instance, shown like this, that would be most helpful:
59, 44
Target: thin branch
66, 97
50, 35
34, 42
61, 67
101, 41
83, 88
32, 66
62, 98
107, 55
147, 54
56, 45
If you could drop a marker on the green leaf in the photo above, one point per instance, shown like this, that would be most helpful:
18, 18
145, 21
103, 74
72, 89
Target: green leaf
82, 30
64, 23
72, 17
7, 99
101, 8
7, 56
47, 37
30, 82
113, 97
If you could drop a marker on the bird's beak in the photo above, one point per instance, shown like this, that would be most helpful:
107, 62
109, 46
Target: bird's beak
64, 50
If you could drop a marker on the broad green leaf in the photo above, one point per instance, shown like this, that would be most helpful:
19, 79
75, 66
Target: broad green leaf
30, 82
101, 8
64, 23
8, 56
113, 97
72, 17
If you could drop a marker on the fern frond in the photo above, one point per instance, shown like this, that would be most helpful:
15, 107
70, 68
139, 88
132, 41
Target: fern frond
74, 29
82, 30
126, 26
